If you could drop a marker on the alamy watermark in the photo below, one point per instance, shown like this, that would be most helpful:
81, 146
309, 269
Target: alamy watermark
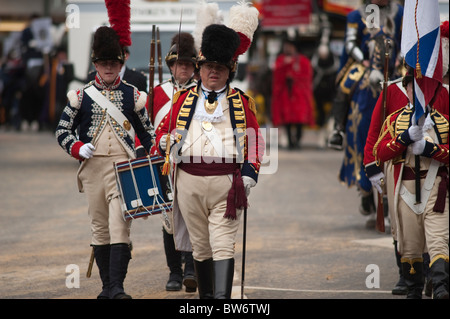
73, 276
373, 18
373, 279
73, 16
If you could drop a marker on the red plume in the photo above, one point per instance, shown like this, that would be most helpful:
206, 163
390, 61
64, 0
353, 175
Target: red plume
444, 29
119, 14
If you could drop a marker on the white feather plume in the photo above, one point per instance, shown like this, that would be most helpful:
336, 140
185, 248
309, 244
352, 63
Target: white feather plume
244, 19
445, 55
207, 14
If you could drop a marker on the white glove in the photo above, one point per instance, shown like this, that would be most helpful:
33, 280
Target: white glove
415, 133
248, 183
375, 78
418, 147
377, 181
87, 150
163, 141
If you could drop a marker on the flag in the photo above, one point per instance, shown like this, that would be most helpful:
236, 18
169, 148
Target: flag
420, 47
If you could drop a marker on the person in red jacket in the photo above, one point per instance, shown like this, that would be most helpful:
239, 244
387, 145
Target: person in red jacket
420, 226
397, 98
217, 148
181, 60
292, 93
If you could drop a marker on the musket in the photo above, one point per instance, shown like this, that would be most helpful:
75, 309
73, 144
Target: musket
380, 207
160, 66
416, 159
166, 166
151, 74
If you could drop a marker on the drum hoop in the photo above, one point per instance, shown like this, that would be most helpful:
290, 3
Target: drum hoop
163, 207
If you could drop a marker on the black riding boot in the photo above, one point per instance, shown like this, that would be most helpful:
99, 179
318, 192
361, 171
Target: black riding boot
102, 255
439, 278
204, 271
118, 267
413, 273
173, 258
223, 278
400, 287
189, 279
428, 285
340, 112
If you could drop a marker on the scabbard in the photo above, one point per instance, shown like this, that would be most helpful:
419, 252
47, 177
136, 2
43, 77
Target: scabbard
91, 263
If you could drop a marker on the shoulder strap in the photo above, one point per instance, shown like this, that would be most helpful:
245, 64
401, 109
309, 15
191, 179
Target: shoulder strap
112, 110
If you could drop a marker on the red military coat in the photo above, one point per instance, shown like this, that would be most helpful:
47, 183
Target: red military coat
292, 93
396, 99
390, 146
242, 110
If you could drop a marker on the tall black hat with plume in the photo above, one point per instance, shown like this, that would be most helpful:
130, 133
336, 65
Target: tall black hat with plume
224, 44
109, 42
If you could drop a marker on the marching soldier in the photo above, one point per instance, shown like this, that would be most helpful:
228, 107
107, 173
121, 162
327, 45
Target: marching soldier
396, 98
181, 60
218, 148
109, 113
425, 225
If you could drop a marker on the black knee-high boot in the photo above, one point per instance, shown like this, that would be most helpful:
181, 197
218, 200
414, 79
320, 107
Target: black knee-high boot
223, 278
189, 279
173, 258
204, 272
118, 267
439, 277
400, 287
413, 273
102, 255
339, 112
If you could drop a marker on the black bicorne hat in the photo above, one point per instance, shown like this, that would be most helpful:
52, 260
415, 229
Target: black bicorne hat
182, 48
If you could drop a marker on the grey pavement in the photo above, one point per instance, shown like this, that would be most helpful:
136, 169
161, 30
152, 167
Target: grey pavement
305, 236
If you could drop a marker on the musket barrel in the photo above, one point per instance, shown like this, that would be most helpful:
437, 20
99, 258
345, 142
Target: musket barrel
160, 66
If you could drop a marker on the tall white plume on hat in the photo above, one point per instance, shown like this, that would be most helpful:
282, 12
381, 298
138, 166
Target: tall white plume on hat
244, 20
207, 14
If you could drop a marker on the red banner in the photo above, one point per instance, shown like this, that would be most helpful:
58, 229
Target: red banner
340, 7
284, 13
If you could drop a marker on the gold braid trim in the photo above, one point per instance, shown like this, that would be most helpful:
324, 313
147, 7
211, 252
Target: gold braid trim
412, 261
387, 127
446, 259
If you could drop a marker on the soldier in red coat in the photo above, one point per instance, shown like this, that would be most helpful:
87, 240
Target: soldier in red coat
292, 93
217, 148
181, 60
397, 98
420, 226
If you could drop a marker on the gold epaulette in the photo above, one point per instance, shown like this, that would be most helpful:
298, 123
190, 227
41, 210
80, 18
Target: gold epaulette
403, 121
386, 128
442, 126
251, 101
251, 104
177, 95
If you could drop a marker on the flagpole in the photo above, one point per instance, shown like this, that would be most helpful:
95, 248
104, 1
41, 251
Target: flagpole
416, 157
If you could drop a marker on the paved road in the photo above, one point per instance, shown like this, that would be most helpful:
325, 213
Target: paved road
305, 240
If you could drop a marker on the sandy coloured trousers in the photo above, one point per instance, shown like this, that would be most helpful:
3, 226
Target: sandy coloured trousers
427, 230
203, 201
107, 223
